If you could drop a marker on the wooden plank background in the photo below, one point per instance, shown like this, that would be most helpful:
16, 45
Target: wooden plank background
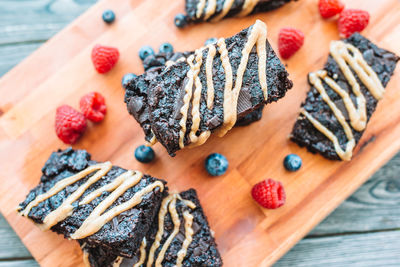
367, 220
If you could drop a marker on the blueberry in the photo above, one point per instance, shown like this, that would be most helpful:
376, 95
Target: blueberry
145, 51
127, 78
211, 41
292, 162
144, 154
180, 21
216, 164
166, 48
108, 16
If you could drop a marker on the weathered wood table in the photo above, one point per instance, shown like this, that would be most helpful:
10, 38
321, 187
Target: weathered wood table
363, 231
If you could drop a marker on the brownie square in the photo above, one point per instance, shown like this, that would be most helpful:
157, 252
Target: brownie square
305, 134
123, 233
155, 98
202, 250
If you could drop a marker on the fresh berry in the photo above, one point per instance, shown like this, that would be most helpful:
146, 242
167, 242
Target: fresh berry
180, 21
292, 162
70, 124
212, 40
93, 106
351, 21
145, 51
144, 154
269, 193
108, 16
330, 8
290, 41
104, 58
166, 48
216, 164
127, 78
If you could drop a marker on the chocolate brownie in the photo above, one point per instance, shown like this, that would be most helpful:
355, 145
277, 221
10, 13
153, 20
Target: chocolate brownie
156, 98
122, 232
381, 61
214, 10
201, 249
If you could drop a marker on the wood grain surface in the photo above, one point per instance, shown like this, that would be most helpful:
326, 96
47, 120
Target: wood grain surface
259, 236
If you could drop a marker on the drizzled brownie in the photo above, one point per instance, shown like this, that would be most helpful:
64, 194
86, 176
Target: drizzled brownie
156, 98
122, 234
316, 111
201, 250
214, 10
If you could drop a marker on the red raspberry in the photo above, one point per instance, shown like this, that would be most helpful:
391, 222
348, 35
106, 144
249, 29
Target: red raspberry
104, 58
351, 21
93, 106
290, 40
269, 193
330, 8
70, 124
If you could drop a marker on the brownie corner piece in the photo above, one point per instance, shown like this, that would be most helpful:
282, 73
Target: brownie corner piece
114, 228
332, 126
191, 243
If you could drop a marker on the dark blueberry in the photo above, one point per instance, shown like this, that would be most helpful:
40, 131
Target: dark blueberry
108, 16
144, 154
211, 41
127, 78
145, 51
216, 164
292, 162
166, 48
180, 21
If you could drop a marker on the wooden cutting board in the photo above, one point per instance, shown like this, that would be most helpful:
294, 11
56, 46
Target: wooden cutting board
60, 72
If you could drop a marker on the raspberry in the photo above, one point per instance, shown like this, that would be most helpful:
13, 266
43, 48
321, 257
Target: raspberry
93, 106
290, 40
351, 21
104, 58
269, 193
70, 124
330, 8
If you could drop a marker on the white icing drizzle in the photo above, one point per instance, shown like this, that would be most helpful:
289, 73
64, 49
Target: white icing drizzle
191, 74
142, 253
175, 231
169, 204
210, 10
200, 7
340, 52
228, 102
95, 221
196, 99
209, 75
247, 8
86, 261
257, 36
188, 237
